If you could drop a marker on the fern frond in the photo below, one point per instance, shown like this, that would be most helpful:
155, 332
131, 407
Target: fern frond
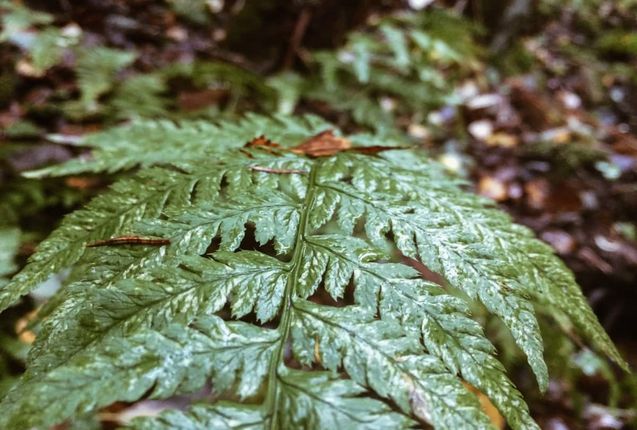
17, 18
47, 48
266, 247
96, 70
313, 400
177, 360
379, 355
211, 74
222, 415
44, 47
443, 321
139, 97
409, 60
148, 143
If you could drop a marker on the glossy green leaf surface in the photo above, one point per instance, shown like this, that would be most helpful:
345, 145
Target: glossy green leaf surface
285, 286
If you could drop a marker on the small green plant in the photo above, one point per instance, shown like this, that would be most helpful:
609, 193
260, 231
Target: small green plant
281, 278
403, 66
43, 48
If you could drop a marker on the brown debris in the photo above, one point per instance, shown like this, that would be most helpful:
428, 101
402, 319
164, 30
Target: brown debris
326, 144
317, 350
82, 182
129, 240
260, 142
536, 110
560, 240
589, 256
323, 144
25, 335
493, 188
503, 140
375, 149
191, 101
537, 193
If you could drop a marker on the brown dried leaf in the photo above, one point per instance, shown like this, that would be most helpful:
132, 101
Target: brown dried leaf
82, 182
260, 142
323, 144
326, 144
191, 101
371, 150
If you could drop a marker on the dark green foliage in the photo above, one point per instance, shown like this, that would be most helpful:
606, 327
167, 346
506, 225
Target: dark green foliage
402, 65
394, 68
240, 293
9, 241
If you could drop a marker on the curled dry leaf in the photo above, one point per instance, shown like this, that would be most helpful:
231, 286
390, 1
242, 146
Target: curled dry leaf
323, 144
326, 144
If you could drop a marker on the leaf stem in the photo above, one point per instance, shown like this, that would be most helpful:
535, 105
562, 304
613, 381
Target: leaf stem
272, 399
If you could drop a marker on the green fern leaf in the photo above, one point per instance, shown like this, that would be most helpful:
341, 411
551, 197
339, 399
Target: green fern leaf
443, 320
48, 47
177, 360
147, 143
17, 18
222, 416
312, 400
272, 246
139, 97
379, 355
401, 66
398, 43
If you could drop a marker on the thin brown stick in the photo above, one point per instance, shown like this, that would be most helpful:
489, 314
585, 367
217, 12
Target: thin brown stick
129, 240
278, 171
297, 37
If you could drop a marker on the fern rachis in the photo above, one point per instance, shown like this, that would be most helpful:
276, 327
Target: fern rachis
232, 292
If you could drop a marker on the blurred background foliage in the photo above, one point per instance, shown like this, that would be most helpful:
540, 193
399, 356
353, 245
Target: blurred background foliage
534, 101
